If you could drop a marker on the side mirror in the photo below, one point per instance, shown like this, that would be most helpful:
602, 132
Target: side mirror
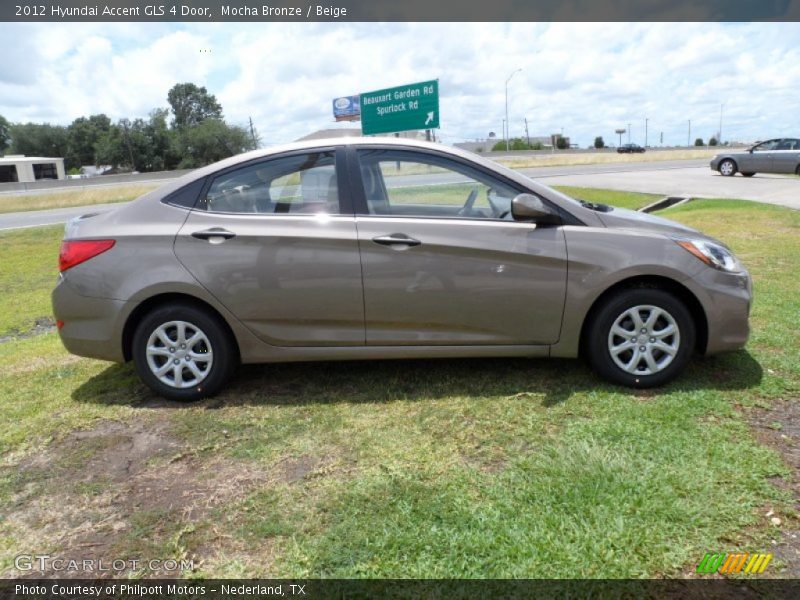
527, 207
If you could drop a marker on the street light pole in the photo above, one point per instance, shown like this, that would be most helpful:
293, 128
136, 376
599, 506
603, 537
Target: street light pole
507, 80
719, 141
629, 133
645, 131
689, 135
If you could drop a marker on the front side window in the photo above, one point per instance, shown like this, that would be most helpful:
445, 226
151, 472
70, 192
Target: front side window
298, 184
403, 183
766, 146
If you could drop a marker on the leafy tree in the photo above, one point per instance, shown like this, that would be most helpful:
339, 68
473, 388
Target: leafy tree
84, 134
210, 141
40, 139
599, 143
712, 141
516, 144
5, 133
192, 105
561, 143
699, 142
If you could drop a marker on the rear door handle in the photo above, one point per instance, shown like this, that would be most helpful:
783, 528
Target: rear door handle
214, 232
396, 239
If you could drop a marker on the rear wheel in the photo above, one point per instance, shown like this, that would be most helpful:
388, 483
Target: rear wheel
797, 170
640, 338
727, 168
183, 352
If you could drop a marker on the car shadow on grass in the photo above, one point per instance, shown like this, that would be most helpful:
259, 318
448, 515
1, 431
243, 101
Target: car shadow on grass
554, 380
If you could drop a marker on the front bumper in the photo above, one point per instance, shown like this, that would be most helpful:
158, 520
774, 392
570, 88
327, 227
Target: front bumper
726, 299
715, 163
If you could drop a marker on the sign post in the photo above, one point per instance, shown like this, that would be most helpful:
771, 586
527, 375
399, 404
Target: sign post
403, 108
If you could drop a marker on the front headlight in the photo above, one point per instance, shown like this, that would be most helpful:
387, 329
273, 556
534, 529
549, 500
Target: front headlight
714, 255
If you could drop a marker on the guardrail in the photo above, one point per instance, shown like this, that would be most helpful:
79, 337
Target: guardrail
98, 181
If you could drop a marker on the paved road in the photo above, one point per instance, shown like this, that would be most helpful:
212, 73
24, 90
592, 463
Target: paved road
40, 218
671, 178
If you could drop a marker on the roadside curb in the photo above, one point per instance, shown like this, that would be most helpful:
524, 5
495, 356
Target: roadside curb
665, 203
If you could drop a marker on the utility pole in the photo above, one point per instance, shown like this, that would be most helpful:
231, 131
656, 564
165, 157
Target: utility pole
719, 141
527, 135
645, 131
689, 135
253, 134
507, 122
629, 133
128, 143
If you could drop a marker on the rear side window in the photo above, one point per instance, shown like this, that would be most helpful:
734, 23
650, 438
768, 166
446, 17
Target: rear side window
298, 184
186, 196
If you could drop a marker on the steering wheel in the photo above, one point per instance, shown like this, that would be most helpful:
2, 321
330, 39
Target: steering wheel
467, 208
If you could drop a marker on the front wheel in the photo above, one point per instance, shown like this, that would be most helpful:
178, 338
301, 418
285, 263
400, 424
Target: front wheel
640, 338
727, 168
183, 352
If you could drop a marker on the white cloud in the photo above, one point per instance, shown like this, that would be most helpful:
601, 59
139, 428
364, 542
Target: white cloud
588, 78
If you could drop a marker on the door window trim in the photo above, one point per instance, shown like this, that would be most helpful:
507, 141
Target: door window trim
359, 196
342, 181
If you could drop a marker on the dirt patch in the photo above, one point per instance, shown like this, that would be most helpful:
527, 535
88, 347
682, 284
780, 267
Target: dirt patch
40, 325
779, 428
124, 490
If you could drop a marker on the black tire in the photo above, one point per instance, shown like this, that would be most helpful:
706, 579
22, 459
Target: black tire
216, 338
725, 172
797, 170
598, 338
747, 174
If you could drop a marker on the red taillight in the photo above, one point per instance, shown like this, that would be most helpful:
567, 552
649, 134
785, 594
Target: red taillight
77, 251
59, 324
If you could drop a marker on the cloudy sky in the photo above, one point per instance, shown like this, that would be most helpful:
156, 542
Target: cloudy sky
588, 79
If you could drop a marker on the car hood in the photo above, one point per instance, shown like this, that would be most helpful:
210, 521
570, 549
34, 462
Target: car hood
622, 218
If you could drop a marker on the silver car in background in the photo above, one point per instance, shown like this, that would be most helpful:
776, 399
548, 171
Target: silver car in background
781, 155
380, 248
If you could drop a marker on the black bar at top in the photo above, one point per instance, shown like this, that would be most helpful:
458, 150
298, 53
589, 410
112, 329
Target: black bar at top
399, 10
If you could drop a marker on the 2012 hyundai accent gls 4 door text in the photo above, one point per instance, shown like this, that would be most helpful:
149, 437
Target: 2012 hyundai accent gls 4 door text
379, 249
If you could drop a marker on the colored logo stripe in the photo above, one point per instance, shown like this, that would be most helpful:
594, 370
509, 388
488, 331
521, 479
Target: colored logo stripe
733, 563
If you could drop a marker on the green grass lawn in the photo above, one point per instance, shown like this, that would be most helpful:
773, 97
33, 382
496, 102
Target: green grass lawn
439, 468
73, 197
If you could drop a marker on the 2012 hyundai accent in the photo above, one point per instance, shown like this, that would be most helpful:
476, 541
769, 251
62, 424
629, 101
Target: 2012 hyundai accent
379, 249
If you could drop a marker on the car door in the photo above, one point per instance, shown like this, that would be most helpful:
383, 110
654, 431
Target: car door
760, 159
443, 261
786, 156
275, 242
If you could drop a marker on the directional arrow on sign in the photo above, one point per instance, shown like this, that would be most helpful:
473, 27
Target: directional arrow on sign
430, 118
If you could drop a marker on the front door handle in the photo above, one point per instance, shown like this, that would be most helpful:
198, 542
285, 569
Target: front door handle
214, 232
396, 239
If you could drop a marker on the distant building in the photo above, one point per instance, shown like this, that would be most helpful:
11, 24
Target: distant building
27, 169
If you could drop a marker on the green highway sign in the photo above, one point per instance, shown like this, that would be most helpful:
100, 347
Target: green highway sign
412, 106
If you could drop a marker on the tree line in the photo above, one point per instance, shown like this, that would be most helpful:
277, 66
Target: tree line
190, 134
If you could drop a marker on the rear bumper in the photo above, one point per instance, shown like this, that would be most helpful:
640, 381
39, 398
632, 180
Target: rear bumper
90, 324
